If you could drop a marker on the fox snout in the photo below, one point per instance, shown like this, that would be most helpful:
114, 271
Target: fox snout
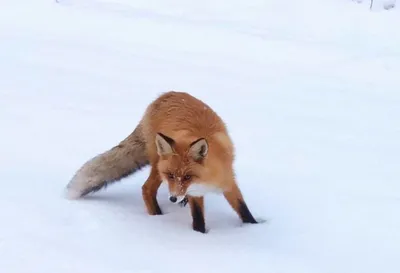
177, 199
177, 190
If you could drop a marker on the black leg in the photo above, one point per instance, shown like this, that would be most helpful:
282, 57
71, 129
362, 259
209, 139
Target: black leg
197, 209
245, 213
236, 200
157, 209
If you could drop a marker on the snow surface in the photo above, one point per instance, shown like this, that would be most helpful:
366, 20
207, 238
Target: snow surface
309, 90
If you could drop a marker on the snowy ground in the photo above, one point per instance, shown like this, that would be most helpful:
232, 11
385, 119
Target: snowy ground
309, 90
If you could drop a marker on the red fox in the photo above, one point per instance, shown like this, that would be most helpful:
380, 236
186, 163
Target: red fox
187, 146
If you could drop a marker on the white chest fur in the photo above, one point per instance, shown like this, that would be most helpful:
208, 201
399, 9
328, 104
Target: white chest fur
201, 189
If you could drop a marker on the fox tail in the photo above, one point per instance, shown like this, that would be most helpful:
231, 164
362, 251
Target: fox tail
111, 166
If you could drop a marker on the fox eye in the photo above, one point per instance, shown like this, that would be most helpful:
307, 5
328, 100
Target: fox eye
187, 177
170, 175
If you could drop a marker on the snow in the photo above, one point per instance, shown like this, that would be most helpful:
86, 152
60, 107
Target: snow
310, 93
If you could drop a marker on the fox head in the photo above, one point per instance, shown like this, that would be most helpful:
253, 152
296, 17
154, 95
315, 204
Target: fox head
182, 167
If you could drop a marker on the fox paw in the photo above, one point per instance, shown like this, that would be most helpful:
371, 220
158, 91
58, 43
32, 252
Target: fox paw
201, 229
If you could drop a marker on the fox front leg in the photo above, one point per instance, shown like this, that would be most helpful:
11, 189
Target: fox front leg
236, 200
149, 192
197, 211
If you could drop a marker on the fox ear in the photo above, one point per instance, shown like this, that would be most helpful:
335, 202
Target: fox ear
164, 144
199, 149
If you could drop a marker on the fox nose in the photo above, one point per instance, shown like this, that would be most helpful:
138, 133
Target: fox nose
173, 199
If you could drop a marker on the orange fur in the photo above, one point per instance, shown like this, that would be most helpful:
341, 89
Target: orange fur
187, 145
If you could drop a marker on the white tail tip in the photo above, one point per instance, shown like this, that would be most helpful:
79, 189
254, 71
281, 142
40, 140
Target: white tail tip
72, 194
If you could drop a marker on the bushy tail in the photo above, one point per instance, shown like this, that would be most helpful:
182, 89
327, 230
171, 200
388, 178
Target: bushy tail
119, 162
